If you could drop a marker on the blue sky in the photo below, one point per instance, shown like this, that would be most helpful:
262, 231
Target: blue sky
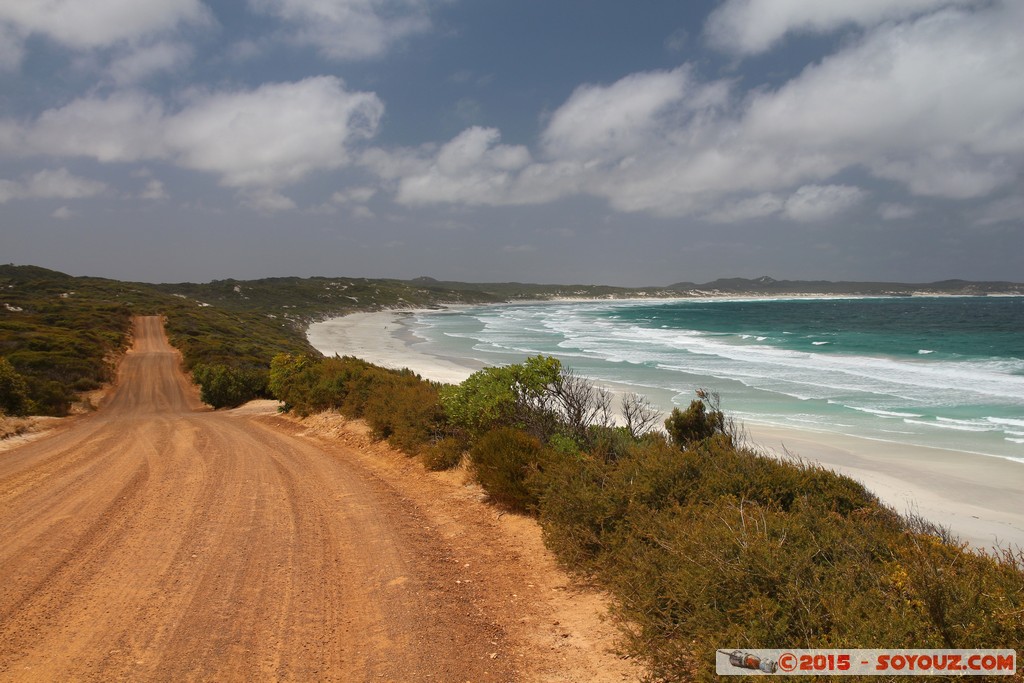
561, 141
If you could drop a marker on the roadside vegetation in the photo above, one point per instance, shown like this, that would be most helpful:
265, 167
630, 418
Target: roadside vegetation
704, 542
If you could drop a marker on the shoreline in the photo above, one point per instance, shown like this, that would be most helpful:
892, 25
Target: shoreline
381, 338
975, 496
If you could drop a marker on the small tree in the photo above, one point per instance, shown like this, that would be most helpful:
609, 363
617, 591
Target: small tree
639, 414
286, 373
701, 420
225, 387
14, 396
509, 396
581, 404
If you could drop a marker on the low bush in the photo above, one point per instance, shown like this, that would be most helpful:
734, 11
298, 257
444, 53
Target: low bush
14, 396
406, 411
223, 386
444, 454
701, 420
506, 463
718, 545
517, 396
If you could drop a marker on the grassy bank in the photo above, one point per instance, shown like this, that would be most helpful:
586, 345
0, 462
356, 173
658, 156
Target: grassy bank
704, 543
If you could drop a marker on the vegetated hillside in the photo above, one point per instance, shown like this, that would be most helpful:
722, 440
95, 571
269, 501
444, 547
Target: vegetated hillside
61, 335
304, 300
510, 291
769, 286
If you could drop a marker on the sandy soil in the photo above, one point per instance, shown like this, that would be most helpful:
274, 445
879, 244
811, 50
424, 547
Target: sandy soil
157, 540
15, 431
976, 496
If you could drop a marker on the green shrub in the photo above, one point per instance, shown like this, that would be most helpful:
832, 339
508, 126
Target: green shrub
506, 462
14, 396
694, 424
516, 396
443, 454
287, 380
222, 386
716, 544
610, 443
578, 509
405, 410
49, 396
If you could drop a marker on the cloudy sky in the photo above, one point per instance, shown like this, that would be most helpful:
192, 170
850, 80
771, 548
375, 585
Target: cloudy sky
596, 141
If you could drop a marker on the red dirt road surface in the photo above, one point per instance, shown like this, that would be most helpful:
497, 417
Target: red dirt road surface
158, 540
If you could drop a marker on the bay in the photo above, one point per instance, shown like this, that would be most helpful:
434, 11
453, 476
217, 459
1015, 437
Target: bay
945, 372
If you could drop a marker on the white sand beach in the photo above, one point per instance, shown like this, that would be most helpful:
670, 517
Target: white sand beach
381, 339
980, 498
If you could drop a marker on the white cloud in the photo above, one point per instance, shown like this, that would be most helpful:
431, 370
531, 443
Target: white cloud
751, 26
1005, 210
267, 200
354, 195
126, 126
349, 29
9, 190
55, 184
62, 184
12, 48
473, 168
154, 190
932, 101
813, 203
765, 204
63, 213
894, 211
953, 173
948, 81
99, 23
935, 103
141, 63
270, 136
625, 117
275, 134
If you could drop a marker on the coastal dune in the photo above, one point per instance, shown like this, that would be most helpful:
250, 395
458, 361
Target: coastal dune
977, 497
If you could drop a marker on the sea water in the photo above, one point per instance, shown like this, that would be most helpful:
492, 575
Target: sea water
931, 371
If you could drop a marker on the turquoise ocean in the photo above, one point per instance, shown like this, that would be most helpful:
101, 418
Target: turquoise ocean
946, 372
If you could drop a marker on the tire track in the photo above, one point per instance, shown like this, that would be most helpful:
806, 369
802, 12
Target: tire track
157, 540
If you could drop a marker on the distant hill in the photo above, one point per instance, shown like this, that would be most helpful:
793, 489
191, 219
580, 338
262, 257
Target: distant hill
769, 286
508, 291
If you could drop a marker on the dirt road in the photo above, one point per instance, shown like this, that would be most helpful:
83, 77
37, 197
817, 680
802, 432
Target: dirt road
158, 540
